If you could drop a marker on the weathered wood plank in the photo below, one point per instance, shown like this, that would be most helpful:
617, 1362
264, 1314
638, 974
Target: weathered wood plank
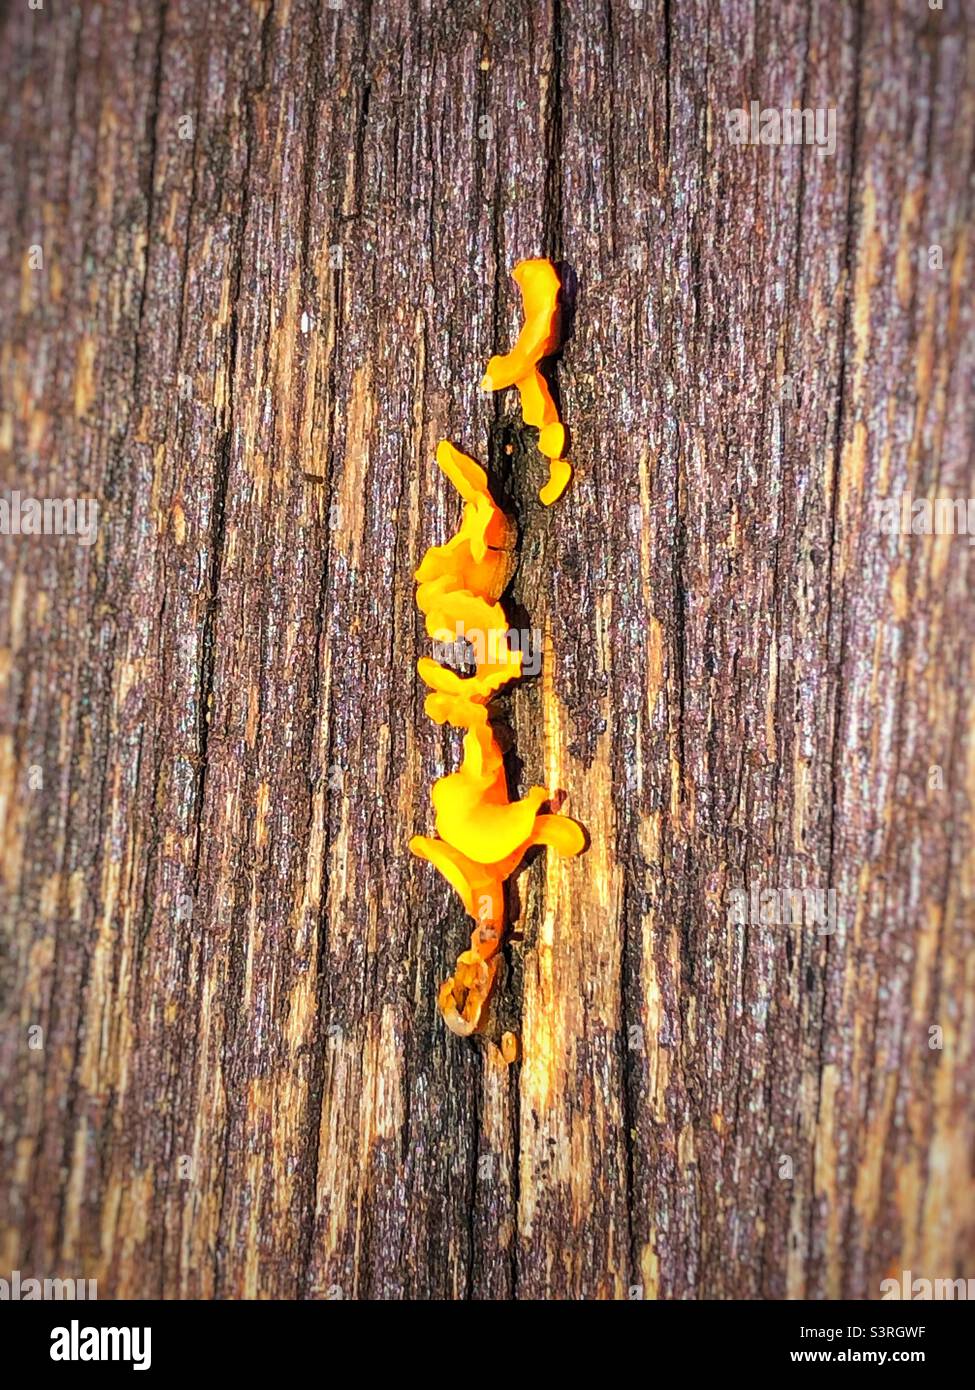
276, 247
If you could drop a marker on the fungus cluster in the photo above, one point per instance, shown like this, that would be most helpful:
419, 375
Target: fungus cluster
482, 836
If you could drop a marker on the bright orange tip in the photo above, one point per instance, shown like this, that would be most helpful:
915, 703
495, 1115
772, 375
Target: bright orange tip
559, 473
539, 283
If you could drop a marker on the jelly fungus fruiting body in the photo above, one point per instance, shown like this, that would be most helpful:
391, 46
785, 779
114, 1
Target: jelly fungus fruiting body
482, 836
539, 283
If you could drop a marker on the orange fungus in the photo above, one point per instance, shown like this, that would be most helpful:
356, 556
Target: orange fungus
482, 836
540, 335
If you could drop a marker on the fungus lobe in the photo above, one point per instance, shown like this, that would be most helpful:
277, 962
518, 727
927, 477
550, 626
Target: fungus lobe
539, 283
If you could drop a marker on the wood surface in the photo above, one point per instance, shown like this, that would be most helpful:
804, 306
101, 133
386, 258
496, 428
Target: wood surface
277, 241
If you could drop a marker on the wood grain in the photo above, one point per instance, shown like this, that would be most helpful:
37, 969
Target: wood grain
276, 246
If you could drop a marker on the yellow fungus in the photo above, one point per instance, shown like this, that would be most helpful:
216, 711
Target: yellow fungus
482, 836
558, 480
539, 283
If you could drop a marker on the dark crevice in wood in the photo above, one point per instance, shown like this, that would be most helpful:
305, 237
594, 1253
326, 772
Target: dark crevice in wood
236, 961
836, 664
